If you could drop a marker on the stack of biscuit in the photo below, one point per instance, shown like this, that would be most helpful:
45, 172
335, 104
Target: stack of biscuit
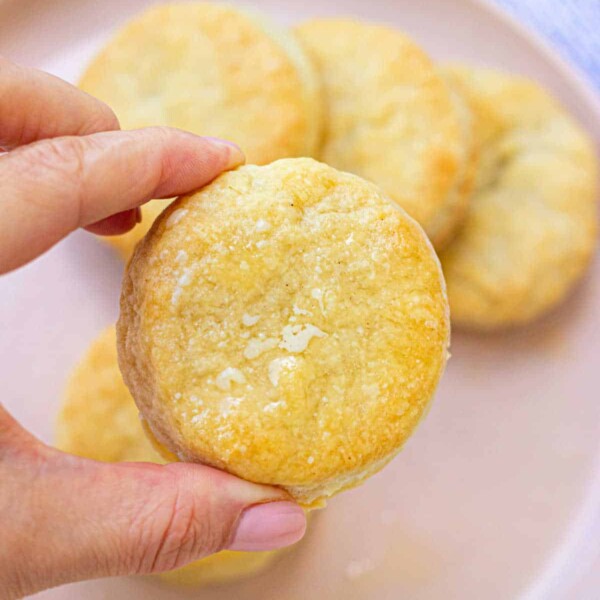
500, 178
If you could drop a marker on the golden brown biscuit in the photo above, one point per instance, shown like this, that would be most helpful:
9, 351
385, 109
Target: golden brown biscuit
287, 324
214, 70
99, 420
531, 228
390, 118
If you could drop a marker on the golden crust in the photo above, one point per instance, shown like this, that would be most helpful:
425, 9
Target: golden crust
460, 197
99, 420
213, 70
390, 118
531, 228
287, 324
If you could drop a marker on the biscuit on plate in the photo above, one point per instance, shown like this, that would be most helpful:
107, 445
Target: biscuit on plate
459, 200
390, 118
214, 70
288, 324
99, 420
531, 226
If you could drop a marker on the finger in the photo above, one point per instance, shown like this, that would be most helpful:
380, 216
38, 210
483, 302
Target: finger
103, 520
117, 224
12, 436
50, 188
35, 105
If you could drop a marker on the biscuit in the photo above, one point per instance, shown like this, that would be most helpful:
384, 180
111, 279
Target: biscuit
100, 421
288, 324
213, 70
460, 197
531, 227
391, 119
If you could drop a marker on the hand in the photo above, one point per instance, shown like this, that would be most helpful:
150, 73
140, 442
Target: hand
64, 518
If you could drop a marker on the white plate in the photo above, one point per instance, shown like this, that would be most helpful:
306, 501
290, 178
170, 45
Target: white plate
497, 496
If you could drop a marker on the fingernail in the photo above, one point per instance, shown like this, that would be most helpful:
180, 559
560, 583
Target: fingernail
268, 527
235, 154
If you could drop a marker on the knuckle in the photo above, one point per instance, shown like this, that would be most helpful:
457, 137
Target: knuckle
60, 164
181, 538
63, 155
172, 534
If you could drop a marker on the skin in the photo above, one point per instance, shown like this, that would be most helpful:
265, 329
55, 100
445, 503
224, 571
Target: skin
64, 518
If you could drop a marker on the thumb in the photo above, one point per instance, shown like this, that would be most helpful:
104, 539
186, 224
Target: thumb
78, 519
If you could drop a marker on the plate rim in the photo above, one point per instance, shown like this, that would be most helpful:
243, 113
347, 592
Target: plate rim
570, 70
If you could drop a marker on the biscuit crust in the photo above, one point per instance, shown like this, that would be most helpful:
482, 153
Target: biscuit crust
390, 118
99, 420
214, 70
460, 197
288, 324
532, 225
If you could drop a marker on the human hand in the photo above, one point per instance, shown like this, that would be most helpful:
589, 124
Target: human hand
64, 518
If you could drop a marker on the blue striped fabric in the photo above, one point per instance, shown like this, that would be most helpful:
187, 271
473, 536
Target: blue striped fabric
572, 26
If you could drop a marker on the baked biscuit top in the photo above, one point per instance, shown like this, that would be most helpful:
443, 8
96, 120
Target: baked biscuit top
287, 323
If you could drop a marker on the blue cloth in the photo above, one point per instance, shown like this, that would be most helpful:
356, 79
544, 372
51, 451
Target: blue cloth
571, 26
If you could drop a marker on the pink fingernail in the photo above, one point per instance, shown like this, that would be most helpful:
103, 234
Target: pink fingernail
268, 527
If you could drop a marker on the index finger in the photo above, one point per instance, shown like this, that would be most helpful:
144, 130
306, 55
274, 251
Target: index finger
52, 187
